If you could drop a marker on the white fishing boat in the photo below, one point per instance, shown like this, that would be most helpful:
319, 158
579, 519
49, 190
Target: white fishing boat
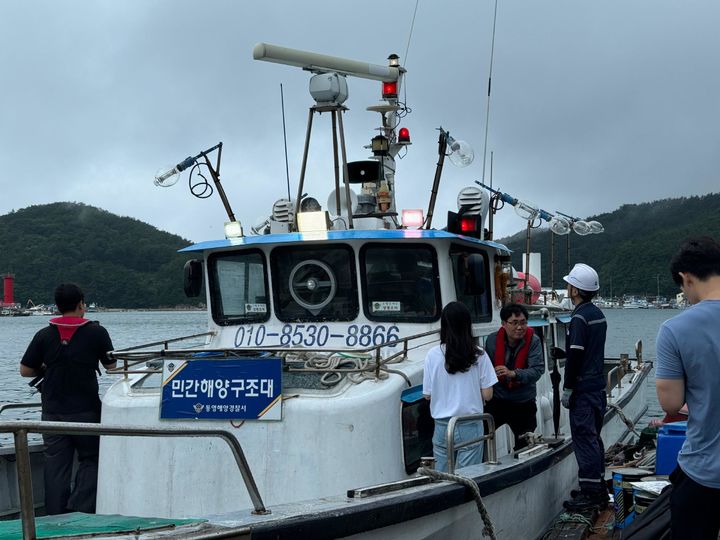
311, 373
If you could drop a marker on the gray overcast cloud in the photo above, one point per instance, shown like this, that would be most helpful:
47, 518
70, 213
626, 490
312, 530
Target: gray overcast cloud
594, 104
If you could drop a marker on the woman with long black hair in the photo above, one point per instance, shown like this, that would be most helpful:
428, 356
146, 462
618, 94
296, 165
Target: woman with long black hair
458, 378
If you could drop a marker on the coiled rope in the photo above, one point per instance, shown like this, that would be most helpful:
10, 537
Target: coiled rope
488, 529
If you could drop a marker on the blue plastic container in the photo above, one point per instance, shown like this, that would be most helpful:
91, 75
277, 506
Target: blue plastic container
670, 439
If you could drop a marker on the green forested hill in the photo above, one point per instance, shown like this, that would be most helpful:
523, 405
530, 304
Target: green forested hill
120, 262
636, 247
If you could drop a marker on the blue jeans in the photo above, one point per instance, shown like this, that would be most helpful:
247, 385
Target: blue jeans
465, 431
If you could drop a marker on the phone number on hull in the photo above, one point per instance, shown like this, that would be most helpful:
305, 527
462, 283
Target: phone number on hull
315, 335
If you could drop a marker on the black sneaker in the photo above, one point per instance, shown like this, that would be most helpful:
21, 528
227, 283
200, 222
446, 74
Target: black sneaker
587, 501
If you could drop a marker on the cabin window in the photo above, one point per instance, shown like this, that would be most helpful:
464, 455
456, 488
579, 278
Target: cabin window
417, 428
238, 288
560, 335
313, 283
400, 283
471, 272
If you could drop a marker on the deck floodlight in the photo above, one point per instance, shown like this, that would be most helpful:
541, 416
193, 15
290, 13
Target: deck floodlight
595, 227
581, 227
560, 225
526, 210
461, 153
168, 176
233, 229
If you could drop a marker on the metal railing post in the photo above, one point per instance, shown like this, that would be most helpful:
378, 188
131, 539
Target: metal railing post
489, 436
20, 429
610, 386
27, 506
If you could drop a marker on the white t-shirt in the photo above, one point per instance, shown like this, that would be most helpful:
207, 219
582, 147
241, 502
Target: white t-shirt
460, 393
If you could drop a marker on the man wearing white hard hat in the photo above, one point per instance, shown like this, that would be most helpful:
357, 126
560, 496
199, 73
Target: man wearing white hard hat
584, 387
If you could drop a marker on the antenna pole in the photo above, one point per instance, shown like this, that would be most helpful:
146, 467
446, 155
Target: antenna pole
487, 108
304, 161
442, 149
287, 169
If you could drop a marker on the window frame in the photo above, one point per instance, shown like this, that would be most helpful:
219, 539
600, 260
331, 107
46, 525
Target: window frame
364, 283
462, 248
312, 247
216, 297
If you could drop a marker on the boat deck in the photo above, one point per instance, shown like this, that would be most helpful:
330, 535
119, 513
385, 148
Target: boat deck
590, 525
79, 525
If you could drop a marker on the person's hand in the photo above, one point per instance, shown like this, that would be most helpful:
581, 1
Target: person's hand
503, 371
565, 400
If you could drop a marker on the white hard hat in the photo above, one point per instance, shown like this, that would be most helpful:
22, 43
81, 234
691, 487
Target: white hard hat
583, 277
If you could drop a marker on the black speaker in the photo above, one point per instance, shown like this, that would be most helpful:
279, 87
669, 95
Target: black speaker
364, 171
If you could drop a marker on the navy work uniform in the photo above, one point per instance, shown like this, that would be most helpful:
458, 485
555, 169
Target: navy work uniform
584, 376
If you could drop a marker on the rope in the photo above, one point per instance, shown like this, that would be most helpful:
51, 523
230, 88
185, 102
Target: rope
364, 363
624, 418
488, 529
566, 517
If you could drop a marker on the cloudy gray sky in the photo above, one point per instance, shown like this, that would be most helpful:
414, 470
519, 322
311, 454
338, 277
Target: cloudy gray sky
594, 104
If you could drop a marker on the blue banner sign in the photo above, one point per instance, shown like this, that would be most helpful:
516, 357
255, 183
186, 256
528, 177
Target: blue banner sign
221, 389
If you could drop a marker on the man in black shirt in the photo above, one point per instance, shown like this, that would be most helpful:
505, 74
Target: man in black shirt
67, 352
584, 387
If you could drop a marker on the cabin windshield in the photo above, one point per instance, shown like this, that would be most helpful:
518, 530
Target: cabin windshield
238, 287
400, 283
314, 283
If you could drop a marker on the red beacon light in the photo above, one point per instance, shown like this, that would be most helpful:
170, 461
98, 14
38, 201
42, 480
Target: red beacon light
404, 136
389, 90
465, 224
468, 224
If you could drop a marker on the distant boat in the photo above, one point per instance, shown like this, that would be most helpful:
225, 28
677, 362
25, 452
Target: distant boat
635, 303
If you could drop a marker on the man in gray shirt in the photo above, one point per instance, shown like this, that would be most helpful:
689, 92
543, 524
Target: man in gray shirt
516, 353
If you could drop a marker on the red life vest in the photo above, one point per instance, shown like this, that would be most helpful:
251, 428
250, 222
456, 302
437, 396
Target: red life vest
520, 359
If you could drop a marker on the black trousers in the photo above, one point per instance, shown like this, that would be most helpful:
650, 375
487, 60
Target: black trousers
519, 415
693, 509
59, 456
587, 411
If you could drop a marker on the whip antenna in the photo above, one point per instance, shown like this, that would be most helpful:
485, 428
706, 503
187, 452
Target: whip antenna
487, 108
287, 169
407, 48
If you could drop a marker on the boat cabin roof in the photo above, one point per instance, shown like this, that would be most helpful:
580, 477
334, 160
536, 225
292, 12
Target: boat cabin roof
380, 234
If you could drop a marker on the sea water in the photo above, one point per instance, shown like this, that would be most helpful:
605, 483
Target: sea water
129, 328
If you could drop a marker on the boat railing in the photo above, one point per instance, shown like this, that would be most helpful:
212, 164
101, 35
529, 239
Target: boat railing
24, 405
618, 372
20, 430
133, 356
623, 367
489, 437
138, 356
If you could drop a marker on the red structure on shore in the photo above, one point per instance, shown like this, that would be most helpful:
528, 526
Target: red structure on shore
8, 299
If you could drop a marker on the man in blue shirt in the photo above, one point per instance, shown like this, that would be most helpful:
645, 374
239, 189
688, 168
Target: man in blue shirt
688, 370
584, 387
